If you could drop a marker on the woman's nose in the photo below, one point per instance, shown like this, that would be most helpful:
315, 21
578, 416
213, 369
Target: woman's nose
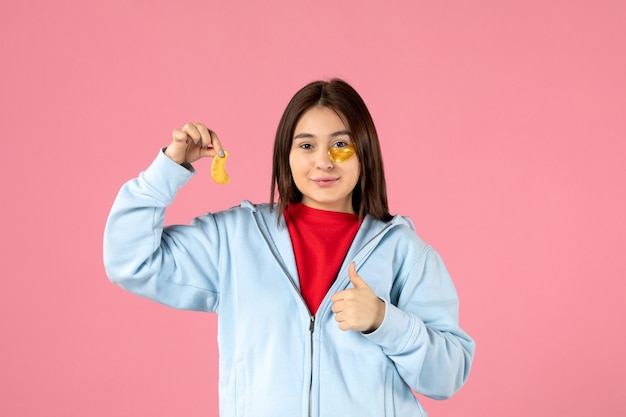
322, 160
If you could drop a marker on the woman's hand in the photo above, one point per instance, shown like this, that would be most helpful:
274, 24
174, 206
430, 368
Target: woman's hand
192, 142
358, 308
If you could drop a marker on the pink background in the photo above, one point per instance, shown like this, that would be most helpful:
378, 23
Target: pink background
503, 133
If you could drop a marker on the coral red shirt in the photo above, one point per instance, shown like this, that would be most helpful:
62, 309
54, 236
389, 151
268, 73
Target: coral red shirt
320, 242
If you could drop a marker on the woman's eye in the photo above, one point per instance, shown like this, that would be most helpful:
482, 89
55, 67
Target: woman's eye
341, 151
306, 146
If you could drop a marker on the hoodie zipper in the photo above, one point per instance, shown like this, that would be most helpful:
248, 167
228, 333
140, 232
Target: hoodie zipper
311, 330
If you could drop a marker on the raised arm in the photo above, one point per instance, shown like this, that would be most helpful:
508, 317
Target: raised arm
174, 265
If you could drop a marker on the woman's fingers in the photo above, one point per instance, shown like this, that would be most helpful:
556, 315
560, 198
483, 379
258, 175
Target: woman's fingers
217, 145
192, 142
177, 150
179, 136
205, 136
191, 129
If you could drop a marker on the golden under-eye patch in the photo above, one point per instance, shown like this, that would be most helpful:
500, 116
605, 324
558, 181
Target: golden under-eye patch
342, 154
218, 169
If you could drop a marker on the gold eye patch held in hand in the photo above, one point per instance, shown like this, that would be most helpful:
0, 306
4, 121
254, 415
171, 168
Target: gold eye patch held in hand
342, 154
218, 169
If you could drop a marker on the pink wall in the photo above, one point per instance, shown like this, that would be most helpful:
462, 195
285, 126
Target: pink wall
503, 135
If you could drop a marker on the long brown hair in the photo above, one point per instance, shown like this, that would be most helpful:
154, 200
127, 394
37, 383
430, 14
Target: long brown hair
370, 193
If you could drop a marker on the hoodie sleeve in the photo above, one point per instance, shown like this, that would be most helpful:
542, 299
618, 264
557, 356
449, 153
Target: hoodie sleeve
175, 265
421, 334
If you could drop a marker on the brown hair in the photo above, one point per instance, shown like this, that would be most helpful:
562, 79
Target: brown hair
370, 193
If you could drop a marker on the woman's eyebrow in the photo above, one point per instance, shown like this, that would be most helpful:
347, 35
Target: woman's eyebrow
303, 136
340, 133
332, 135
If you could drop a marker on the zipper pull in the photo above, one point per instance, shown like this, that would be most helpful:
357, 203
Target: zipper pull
312, 324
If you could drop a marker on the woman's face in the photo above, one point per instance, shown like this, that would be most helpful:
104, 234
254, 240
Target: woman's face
324, 184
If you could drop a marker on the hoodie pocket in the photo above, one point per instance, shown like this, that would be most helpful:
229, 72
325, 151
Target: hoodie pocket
390, 407
399, 399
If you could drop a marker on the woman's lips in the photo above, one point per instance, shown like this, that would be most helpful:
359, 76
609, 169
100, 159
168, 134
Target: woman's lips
325, 182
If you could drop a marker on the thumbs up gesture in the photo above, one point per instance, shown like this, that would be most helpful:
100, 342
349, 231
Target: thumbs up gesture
358, 308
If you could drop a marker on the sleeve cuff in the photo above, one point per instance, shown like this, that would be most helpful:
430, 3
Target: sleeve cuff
396, 330
166, 177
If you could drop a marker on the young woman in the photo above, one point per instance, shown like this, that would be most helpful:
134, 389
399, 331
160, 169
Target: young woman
327, 305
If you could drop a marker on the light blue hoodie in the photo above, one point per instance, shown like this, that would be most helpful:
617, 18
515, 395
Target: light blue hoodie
275, 358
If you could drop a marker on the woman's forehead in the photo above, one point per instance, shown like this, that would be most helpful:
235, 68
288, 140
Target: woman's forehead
321, 120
